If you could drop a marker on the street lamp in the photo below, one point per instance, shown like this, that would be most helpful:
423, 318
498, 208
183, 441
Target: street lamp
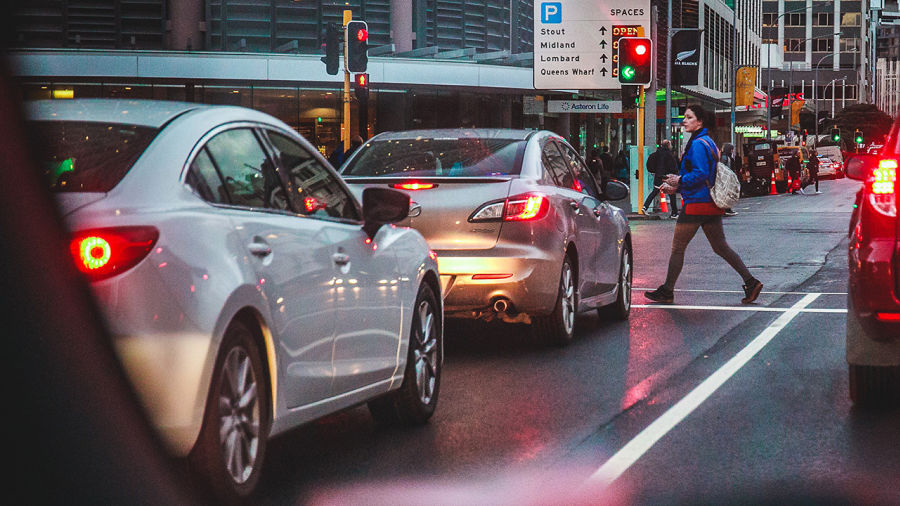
816, 79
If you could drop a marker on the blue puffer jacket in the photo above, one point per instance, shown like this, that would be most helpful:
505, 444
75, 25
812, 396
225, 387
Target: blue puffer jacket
698, 166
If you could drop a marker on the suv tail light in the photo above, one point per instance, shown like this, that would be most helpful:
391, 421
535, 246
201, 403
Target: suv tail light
524, 207
883, 187
104, 252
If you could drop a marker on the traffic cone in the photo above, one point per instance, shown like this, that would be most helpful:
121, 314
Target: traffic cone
663, 203
772, 191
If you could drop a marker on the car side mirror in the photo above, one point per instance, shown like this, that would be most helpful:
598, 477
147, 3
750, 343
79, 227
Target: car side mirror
382, 206
615, 190
860, 166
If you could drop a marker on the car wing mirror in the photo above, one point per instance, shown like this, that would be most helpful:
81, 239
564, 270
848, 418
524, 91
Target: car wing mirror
615, 190
860, 166
382, 206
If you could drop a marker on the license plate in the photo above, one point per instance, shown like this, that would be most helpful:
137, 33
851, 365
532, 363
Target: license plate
760, 163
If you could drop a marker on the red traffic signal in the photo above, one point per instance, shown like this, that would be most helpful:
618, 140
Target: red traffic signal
635, 62
357, 56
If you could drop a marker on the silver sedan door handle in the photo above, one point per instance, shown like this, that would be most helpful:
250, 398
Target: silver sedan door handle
597, 212
341, 258
260, 249
574, 205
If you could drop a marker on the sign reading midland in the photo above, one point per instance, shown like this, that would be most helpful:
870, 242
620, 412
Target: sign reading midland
575, 41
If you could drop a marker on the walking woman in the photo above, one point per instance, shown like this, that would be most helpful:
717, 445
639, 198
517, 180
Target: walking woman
697, 175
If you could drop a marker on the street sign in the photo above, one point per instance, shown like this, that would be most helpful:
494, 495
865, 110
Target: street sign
584, 106
576, 41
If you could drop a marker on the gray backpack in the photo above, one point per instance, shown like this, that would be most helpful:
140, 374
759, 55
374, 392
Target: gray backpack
726, 191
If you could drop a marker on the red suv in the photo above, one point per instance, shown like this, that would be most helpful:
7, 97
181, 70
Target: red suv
873, 317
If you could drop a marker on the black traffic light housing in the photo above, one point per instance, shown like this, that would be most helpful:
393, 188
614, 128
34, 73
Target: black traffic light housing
630, 96
361, 89
356, 33
858, 136
332, 49
635, 60
836, 134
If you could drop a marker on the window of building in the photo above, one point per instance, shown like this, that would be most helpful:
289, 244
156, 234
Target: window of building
850, 19
795, 19
823, 19
794, 45
850, 44
769, 19
823, 45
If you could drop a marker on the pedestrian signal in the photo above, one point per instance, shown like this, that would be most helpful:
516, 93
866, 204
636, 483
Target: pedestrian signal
356, 34
635, 60
361, 86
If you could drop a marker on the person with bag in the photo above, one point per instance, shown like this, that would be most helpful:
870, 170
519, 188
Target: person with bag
696, 180
662, 163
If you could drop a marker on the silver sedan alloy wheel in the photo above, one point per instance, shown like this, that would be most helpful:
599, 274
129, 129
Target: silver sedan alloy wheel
239, 415
626, 279
425, 352
568, 298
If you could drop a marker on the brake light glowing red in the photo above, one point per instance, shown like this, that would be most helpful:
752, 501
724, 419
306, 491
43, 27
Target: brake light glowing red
888, 317
884, 177
526, 207
413, 186
101, 253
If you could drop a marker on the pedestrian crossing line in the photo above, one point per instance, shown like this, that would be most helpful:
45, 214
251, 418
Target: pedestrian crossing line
636, 289
613, 468
738, 308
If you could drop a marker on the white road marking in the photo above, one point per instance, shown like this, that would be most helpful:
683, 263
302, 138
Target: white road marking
761, 309
635, 449
635, 289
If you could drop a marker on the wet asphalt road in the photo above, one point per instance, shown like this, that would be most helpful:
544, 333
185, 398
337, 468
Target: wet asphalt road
522, 423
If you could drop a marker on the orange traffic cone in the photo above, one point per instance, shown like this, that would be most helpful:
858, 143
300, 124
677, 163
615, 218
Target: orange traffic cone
772, 191
663, 204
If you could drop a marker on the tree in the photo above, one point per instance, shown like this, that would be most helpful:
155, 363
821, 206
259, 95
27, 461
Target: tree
874, 124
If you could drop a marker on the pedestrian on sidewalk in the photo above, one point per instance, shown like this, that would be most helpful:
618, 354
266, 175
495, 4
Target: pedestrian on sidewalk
793, 167
662, 163
813, 167
729, 160
607, 160
621, 166
696, 176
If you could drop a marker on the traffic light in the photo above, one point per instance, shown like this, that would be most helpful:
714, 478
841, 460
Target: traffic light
361, 87
836, 134
858, 136
332, 49
630, 97
357, 36
635, 60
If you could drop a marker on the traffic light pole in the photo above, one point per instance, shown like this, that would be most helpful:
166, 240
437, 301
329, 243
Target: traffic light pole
345, 124
640, 132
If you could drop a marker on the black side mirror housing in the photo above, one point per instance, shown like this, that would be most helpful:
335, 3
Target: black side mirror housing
382, 206
615, 190
860, 166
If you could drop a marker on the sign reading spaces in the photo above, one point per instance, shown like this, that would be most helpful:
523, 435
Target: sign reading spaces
575, 41
585, 106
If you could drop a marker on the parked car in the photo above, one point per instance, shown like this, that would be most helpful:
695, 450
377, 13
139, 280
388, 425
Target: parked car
520, 227
246, 289
873, 316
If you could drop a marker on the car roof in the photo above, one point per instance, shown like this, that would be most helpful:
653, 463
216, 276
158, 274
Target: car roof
455, 133
150, 113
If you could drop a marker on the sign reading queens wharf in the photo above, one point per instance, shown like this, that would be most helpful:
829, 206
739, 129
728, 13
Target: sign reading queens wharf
575, 41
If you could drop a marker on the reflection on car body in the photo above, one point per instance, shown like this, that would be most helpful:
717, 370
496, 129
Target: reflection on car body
521, 230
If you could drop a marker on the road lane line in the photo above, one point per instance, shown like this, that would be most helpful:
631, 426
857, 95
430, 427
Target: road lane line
761, 309
634, 449
636, 289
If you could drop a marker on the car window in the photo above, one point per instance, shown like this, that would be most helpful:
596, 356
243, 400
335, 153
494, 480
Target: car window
586, 182
444, 157
249, 175
319, 191
85, 156
204, 179
556, 166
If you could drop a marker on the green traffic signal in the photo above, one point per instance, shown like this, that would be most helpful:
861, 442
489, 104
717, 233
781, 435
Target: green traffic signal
858, 137
627, 73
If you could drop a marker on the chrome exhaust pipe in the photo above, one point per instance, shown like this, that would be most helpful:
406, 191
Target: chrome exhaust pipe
501, 305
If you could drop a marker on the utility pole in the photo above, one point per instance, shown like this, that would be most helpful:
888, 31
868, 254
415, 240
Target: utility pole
640, 151
733, 66
345, 124
669, 71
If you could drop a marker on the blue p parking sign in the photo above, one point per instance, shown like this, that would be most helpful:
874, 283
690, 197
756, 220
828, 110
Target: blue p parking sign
551, 12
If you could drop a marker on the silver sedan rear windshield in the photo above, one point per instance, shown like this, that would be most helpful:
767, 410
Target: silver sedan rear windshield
81, 156
429, 157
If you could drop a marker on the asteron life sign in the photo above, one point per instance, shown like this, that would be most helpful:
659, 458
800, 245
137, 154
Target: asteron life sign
576, 41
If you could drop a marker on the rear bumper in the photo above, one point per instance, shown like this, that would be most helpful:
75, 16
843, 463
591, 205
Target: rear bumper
532, 286
870, 291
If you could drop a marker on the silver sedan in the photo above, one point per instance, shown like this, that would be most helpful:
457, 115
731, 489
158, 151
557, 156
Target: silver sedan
247, 290
522, 230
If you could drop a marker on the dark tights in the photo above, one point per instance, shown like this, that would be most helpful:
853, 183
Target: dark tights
715, 234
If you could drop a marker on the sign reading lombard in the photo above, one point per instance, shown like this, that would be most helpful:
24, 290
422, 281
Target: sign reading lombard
585, 106
575, 41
